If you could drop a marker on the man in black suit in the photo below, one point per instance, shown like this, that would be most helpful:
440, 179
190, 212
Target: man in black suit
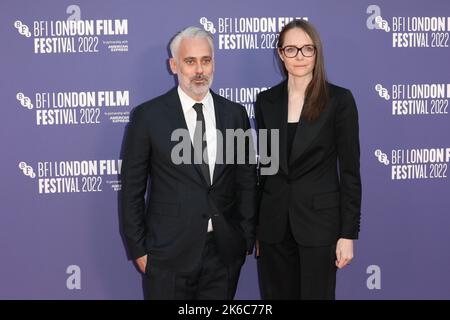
191, 236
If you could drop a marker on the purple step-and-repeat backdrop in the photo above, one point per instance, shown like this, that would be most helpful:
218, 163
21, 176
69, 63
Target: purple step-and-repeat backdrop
67, 92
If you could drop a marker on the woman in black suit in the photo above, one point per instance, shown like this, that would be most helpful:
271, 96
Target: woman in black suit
309, 211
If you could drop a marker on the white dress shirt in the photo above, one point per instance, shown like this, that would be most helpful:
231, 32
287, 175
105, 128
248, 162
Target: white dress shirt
190, 115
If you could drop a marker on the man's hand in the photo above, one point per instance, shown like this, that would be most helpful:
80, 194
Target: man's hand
142, 263
257, 248
344, 252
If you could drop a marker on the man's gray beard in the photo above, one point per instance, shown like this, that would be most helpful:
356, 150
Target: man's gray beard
201, 90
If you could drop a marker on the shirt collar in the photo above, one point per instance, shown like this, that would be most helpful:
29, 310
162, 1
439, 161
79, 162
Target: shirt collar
187, 102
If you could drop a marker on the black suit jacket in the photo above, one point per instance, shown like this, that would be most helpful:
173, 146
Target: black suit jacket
171, 225
319, 187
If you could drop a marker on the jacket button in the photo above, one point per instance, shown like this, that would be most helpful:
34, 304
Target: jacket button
204, 216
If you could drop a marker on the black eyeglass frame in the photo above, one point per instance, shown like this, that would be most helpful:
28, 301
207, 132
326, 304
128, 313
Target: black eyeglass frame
299, 49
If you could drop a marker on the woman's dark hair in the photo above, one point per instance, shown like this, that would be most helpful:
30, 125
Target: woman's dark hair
316, 95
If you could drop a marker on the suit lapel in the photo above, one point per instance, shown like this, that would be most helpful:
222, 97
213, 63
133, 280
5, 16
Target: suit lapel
283, 129
179, 122
277, 117
305, 134
221, 117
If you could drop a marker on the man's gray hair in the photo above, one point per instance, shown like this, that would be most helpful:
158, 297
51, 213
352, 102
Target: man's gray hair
190, 32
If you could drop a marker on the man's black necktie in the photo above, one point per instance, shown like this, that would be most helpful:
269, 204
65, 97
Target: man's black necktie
200, 146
